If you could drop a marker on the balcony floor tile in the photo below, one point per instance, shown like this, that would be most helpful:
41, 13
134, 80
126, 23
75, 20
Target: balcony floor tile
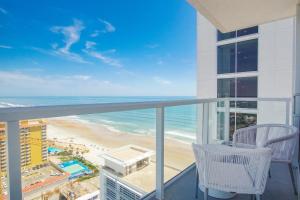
279, 186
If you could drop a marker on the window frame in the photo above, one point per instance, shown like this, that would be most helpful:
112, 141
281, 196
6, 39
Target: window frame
236, 67
236, 33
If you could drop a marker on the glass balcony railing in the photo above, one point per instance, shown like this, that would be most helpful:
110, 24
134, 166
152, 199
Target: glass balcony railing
118, 150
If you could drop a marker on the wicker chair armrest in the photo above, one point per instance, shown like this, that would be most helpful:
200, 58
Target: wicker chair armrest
281, 139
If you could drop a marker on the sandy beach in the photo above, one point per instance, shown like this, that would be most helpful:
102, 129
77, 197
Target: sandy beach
99, 139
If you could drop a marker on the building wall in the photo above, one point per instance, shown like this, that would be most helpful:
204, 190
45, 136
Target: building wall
206, 59
36, 145
275, 59
2, 149
274, 69
32, 143
112, 188
116, 166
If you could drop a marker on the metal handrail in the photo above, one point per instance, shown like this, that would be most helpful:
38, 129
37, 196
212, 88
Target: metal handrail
35, 112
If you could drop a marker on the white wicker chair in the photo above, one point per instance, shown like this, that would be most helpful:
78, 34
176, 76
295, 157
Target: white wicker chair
282, 139
232, 169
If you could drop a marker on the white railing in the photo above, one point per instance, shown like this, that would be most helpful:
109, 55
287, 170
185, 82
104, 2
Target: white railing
12, 116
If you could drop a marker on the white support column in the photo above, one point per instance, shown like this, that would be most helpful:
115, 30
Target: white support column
199, 138
226, 120
205, 126
297, 70
202, 123
14, 161
160, 118
296, 103
288, 112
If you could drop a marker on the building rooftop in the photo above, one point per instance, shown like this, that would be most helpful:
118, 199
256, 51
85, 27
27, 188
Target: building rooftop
26, 124
145, 178
79, 189
128, 155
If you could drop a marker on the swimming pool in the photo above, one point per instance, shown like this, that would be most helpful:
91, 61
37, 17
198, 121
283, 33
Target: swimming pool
54, 150
75, 168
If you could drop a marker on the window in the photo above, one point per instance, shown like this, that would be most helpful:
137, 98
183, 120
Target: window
226, 58
239, 87
247, 31
236, 121
226, 88
236, 87
239, 33
247, 55
246, 87
245, 120
238, 57
225, 36
240, 120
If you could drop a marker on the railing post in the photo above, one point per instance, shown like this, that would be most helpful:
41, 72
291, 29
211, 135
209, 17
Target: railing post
296, 120
226, 120
14, 161
205, 126
160, 153
287, 112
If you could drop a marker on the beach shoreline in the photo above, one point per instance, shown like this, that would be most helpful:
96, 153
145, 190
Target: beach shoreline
99, 138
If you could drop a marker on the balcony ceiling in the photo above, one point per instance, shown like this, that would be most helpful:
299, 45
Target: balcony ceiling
229, 15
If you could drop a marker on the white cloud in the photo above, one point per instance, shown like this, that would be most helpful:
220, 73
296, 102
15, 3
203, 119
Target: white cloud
70, 56
5, 47
108, 26
71, 35
89, 44
105, 59
82, 77
3, 11
20, 83
90, 50
161, 81
95, 33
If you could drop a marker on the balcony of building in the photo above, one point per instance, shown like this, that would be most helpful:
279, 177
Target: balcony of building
166, 180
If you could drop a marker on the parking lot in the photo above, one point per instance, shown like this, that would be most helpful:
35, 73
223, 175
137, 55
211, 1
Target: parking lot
32, 177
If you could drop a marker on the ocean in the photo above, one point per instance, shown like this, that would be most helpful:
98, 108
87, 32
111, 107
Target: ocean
180, 121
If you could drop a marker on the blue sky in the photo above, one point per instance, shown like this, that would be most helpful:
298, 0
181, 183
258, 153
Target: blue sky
97, 47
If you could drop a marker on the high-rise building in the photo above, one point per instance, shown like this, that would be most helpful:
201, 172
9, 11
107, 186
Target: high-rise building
252, 62
32, 141
129, 173
118, 164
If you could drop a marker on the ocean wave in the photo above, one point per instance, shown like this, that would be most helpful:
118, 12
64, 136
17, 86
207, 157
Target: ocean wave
10, 105
171, 134
144, 131
181, 134
75, 118
110, 122
106, 123
111, 128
